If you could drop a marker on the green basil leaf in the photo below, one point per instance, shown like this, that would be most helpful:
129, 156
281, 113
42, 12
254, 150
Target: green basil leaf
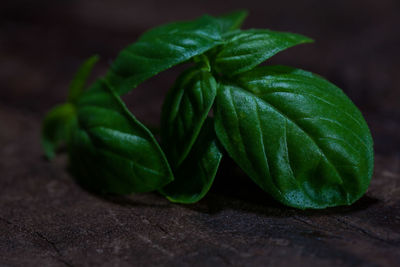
246, 49
194, 177
57, 124
78, 83
56, 127
110, 151
185, 109
296, 135
232, 20
162, 48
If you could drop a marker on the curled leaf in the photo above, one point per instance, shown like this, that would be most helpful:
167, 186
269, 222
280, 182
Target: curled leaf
185, 109
111, 151
195, 175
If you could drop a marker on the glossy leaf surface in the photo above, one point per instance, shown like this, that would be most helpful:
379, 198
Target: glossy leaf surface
244, 50
296, 135
161, 48
185, 109
110, 151
194, 177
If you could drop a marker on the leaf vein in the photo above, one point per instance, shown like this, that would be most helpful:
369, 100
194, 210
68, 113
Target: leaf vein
298, 126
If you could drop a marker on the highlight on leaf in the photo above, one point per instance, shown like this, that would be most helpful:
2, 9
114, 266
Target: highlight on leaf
296, 135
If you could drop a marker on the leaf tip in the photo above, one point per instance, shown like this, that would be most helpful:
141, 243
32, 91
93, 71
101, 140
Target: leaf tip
240, 13
237, 18
309, 40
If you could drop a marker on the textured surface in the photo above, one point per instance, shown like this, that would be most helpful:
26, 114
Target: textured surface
48, 220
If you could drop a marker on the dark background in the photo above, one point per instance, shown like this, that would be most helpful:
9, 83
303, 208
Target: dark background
356, 47
46, 219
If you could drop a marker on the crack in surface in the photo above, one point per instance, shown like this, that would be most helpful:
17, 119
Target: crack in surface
349, 224
34, 233
51, 243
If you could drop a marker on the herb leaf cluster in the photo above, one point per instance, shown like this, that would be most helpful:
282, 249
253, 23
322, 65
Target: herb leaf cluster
296, 135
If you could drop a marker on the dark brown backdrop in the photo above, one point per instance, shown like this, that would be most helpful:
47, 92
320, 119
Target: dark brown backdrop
46, 219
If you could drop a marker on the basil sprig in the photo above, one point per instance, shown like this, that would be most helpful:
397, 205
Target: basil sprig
297, 136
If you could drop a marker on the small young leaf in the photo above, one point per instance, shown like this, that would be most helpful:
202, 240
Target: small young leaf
110, 151
56, 128
232, 20
246, 49
194, 177
78, 83
296, 135
185, 109
162, 48
58, 122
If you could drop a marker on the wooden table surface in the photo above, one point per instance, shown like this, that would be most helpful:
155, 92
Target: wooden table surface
46, 219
